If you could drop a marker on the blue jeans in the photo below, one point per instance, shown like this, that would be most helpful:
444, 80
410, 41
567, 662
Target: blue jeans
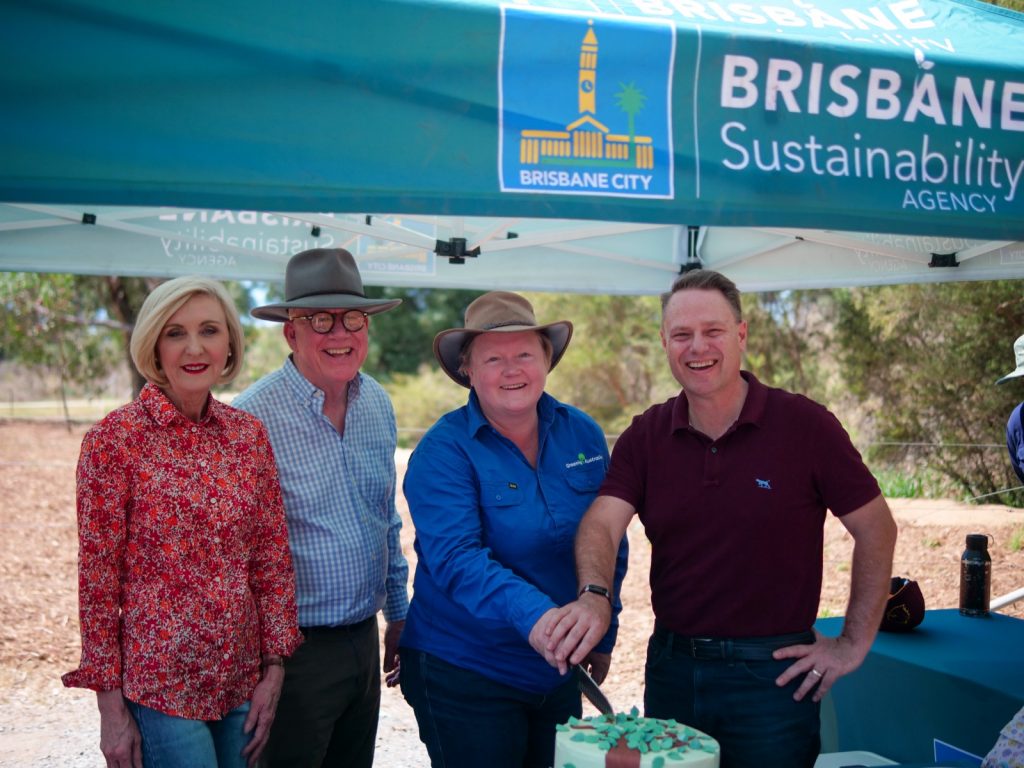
467, 720
177, 742
757, 723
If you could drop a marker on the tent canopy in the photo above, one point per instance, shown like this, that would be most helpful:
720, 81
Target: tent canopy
574, 145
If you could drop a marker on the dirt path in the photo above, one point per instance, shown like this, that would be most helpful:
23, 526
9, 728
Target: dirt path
43, 724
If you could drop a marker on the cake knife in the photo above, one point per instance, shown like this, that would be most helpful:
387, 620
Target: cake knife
591, 690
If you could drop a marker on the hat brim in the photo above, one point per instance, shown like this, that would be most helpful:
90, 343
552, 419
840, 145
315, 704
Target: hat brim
448, 344
1012, 375
279, 312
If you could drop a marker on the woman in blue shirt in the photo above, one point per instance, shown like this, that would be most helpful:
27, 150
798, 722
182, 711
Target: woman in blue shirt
496, 490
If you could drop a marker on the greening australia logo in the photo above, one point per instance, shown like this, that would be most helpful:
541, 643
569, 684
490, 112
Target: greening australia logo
582, 458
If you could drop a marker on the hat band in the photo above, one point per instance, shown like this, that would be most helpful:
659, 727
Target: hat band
492, 326
331, 292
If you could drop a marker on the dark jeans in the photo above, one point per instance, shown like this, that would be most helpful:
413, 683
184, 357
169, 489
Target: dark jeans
735, 700
330, 700
467, 720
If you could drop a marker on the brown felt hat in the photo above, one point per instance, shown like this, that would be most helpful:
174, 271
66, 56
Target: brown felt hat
323, 278
496, 312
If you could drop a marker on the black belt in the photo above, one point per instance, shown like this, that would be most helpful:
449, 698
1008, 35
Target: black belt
323, 629
739, 648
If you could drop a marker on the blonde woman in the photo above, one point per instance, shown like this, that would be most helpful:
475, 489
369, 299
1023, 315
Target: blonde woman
186, 587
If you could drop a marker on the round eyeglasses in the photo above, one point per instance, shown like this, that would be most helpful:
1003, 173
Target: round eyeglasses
323, 322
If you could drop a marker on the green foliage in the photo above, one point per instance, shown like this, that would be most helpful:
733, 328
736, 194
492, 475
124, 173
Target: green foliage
265, 351
1017, 540
899, 485
402, 340
924, 359
79, 326
52, 321
615, 366
787, 338
422, 399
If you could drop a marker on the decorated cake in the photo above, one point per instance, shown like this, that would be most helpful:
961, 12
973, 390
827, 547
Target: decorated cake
631, 741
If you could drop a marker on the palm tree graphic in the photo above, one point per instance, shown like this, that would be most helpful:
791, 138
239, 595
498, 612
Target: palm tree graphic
630, 100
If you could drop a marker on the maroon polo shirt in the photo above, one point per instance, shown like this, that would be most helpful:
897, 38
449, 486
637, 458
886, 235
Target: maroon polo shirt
736, 524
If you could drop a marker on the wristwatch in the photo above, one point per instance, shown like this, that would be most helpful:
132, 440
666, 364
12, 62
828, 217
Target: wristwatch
597, 589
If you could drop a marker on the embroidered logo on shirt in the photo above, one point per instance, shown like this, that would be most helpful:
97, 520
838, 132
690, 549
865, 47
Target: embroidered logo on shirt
582, 458
765, 484
512, 486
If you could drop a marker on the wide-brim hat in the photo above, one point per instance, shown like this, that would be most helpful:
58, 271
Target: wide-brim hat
496, 312
1018, 356
323, 278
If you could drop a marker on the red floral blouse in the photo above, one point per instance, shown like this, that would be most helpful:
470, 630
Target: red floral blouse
185, 576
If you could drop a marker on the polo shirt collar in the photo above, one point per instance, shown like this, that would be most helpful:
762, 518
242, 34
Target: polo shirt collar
165, 413
752, 412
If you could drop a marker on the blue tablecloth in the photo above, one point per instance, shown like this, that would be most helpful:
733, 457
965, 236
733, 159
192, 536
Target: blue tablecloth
953, 678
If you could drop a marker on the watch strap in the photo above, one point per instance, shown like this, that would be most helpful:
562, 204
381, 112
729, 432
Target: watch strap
597, 589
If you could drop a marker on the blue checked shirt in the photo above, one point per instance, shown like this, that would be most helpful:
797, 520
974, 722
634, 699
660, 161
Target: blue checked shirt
339, 496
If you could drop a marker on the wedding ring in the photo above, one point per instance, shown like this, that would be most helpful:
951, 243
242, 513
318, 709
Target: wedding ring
816, 673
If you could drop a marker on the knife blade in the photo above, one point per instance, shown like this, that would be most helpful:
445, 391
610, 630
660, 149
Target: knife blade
592, 691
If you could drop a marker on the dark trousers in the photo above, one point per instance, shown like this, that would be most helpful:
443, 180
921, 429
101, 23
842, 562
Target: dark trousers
728, 691
467, 720
330, 700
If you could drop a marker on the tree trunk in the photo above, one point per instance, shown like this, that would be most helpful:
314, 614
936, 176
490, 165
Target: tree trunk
121, 302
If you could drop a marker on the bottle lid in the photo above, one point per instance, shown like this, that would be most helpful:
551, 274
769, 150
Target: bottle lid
977, 542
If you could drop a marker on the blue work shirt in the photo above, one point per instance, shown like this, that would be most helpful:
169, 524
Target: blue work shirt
1015, 442
494, 538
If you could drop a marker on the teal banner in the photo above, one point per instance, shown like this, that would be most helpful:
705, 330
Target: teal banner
902, 116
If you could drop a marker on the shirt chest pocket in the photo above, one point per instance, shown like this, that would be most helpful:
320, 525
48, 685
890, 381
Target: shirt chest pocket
498, 495
586, 479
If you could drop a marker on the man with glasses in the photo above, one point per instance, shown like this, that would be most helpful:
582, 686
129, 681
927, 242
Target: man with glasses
333, 433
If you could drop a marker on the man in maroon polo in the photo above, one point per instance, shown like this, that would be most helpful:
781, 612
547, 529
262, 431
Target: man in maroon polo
732, 480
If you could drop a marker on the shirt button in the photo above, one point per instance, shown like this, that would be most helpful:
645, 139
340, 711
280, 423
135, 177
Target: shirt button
227, 656
714, 450
498, 497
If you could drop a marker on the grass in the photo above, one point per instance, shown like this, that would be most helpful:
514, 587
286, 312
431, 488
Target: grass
899, 485
1017, 540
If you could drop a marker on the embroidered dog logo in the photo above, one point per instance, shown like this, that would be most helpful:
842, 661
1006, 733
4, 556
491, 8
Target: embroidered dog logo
765, 484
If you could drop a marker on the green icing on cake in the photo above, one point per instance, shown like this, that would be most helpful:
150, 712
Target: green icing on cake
640, 734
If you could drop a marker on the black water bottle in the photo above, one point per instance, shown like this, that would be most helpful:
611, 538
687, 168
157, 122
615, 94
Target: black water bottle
975, 576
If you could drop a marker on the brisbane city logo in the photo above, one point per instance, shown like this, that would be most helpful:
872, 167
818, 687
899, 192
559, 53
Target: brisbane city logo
604, 142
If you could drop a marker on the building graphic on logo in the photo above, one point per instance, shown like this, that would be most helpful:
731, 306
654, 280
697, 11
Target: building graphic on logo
587, 140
